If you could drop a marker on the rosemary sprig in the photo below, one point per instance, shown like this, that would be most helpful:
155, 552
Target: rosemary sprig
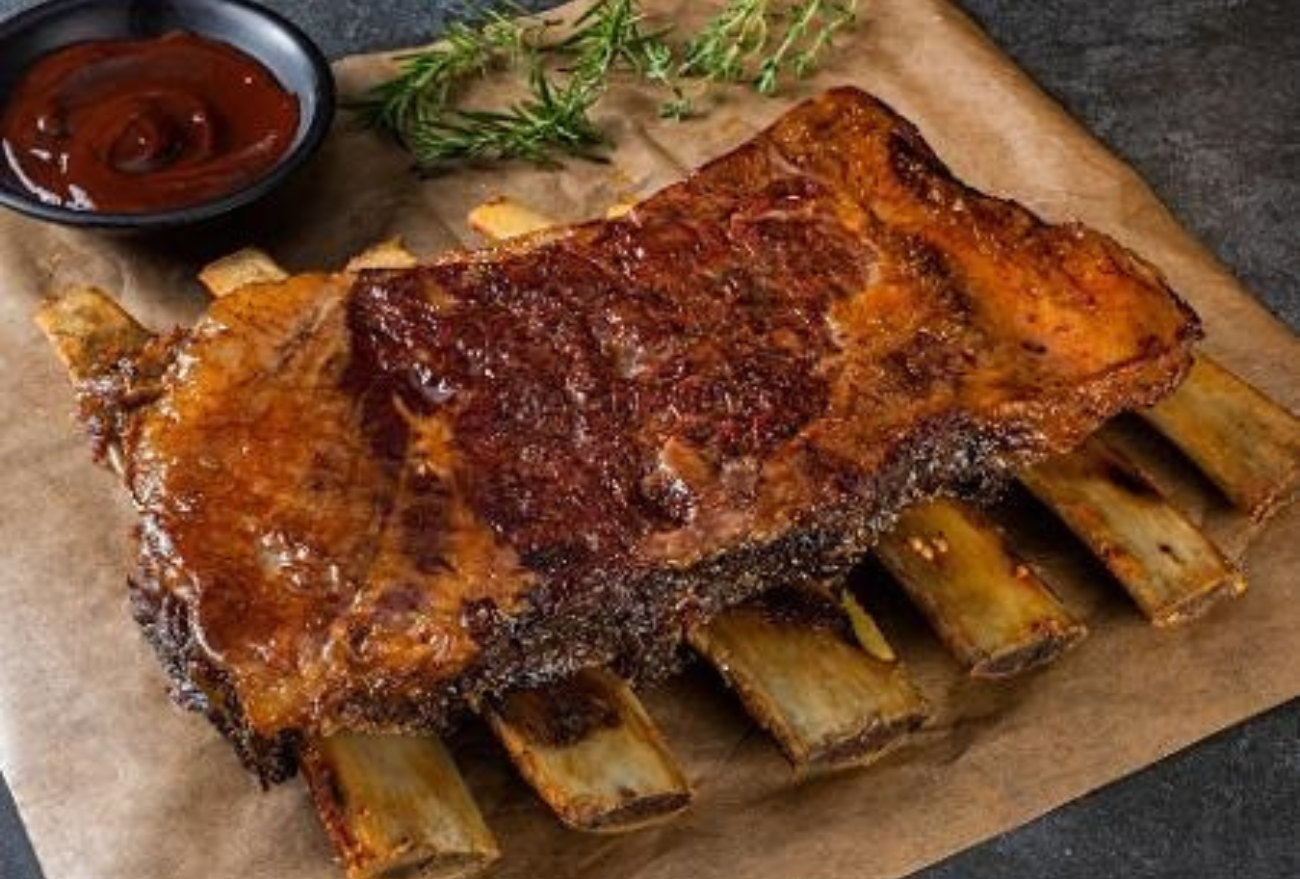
427, 81
551, 120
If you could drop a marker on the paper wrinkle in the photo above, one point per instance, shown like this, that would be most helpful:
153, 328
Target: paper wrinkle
115, 782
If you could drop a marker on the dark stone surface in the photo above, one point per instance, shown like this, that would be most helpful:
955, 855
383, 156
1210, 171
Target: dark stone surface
1226, 807
1203, 98
16, 858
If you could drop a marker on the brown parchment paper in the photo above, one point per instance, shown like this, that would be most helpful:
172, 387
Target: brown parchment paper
114, 782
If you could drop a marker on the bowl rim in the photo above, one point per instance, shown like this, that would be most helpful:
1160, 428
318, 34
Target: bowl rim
318, 125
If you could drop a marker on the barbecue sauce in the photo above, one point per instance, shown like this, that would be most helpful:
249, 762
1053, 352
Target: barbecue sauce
132, 126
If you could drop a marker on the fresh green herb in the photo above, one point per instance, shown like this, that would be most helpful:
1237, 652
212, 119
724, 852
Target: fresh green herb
730, 41
812, 25
735, 45
426, 85
551, 120
755, 41
612, 34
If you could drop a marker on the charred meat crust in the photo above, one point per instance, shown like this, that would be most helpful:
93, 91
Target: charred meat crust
198, 684
564, 453
644, 640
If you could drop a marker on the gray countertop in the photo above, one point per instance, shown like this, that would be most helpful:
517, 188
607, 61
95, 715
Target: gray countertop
1203, 98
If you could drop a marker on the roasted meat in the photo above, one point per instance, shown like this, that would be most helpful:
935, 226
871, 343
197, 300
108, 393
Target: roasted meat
369, 501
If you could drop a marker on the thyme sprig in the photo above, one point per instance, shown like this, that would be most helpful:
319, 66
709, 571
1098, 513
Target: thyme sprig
813, 24
737, 44
729, 41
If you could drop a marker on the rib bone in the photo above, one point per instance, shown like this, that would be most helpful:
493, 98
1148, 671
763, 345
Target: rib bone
1168, 566
992, 611
1247, 444
590, 750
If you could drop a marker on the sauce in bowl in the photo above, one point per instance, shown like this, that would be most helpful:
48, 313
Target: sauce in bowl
133, 126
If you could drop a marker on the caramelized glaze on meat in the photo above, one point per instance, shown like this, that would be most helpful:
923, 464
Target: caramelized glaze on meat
367, 501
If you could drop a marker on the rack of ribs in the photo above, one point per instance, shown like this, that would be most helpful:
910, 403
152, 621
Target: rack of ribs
371, 501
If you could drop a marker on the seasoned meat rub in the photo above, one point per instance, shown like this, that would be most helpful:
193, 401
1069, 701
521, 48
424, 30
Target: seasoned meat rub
370, 501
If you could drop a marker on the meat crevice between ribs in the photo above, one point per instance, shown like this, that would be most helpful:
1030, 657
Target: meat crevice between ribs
368, 502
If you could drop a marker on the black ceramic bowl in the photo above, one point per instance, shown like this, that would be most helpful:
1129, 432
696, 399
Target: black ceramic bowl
275, 42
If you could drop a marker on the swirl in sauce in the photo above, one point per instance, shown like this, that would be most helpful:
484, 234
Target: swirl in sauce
131, 126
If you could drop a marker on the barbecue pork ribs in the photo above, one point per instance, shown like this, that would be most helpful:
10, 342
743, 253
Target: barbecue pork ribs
370, 501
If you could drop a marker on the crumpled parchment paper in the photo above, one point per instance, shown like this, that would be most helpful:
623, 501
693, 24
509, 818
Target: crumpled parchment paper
114, 782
